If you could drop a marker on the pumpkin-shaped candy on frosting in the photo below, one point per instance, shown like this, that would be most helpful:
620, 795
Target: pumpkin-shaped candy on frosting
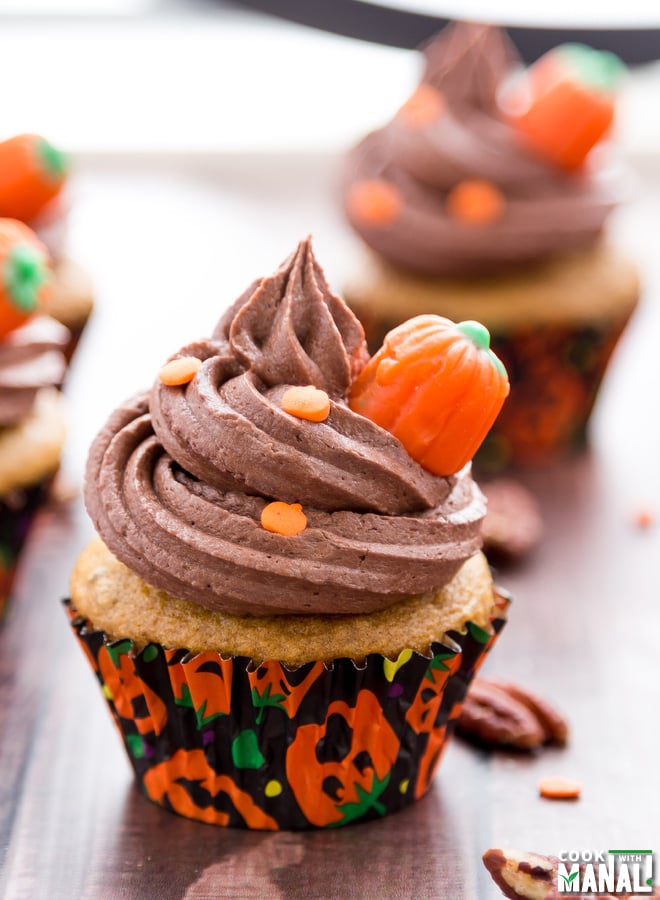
436, 386
32, 173
570, 103
24, 274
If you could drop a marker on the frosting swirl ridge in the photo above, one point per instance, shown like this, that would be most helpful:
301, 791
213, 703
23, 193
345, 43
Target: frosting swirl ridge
30, 359
291, 329
178, 478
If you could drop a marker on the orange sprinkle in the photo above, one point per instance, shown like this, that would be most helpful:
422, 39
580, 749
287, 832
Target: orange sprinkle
644, 518
426, 105
180, 371
306, 403
476, 202
559, 788
375, 202
283, 518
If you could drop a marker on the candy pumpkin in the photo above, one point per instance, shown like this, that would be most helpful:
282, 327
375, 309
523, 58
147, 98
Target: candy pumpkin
437, 387
570, 106
24, 274
32, 173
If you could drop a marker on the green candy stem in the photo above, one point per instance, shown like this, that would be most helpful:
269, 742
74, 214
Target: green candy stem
55, 162
478, 333
597, 69
480, 337
24, 273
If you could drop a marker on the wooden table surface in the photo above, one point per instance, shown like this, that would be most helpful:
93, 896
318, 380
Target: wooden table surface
171, 243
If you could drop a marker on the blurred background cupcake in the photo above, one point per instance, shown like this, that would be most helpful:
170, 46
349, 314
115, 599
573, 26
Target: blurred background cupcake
482, 199
33, 180
32, 368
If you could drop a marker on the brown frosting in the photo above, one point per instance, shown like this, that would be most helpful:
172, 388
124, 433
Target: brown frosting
177, 479
546, 211
30, 359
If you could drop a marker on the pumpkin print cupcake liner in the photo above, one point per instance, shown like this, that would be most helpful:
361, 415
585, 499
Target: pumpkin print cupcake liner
17, 512
555, 374
228, 742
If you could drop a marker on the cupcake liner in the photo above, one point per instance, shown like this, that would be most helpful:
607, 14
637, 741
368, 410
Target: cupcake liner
17, 511
71, 301
228, 742
555, 373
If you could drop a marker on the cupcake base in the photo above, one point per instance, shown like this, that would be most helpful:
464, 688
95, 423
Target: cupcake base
70, 301
554, 325
17, 512
231, 743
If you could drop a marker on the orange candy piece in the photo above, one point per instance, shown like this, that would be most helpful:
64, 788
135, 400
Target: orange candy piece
571, 106
306, 403
565, 123
24, 274
180, 371
437, 387
644, 518
287, 519
475, 202
559, 788
424, 106
32, 173
374, 202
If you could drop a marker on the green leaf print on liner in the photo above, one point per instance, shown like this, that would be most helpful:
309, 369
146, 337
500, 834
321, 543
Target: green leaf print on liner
118, 650
366, 800
186, 701
480, 635
135, 745
150, 652
438, 663
261, 701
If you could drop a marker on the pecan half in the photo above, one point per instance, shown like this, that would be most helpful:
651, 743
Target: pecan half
522, 875
492, 717
513, 525
552, 721
501, 714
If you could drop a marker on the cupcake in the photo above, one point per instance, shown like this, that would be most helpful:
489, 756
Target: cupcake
33, 177
481, 200
32, 367
284, 608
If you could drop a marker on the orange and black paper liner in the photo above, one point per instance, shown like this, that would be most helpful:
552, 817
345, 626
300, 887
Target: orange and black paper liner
15, 521
228, 743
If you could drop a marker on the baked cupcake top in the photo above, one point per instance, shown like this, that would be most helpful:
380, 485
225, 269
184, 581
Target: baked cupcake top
30, 345
219, 488
455, 184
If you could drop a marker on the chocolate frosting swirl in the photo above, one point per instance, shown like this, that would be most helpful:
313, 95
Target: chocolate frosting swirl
291, 329
546, 212
30, 359
177, 479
